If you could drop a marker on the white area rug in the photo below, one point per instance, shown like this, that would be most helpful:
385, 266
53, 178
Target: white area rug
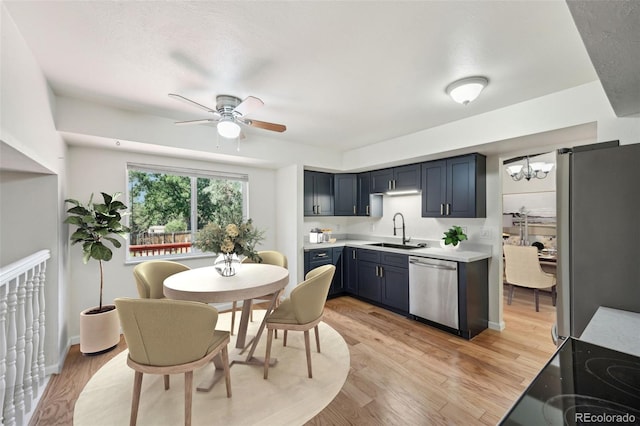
288, 397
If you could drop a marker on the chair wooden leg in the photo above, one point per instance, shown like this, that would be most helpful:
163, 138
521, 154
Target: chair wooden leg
284, 339
510, 299
317, 338
251, 315
188, 392
227, 373
135, 402
268, 353
233, 316
554, 295
308, 350
535, 295
166, 382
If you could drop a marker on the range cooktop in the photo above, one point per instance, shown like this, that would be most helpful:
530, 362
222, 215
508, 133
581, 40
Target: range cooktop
582, 384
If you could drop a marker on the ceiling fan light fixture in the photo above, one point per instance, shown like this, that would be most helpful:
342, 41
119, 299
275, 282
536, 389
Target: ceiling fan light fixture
227, 128
466, 90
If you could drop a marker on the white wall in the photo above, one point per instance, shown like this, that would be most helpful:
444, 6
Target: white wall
104, 170
31, 203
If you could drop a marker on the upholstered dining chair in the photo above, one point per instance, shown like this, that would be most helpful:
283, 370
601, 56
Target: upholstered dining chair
301, 311
167, 336
151, 274
522, 268
270, 257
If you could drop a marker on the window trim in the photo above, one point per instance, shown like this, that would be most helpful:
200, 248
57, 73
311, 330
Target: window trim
193, 175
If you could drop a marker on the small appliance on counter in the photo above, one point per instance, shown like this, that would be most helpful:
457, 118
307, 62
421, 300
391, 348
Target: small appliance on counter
583, 383
317, 236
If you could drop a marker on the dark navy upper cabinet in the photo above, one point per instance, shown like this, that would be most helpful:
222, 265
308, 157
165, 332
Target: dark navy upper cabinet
346, 194
381, 180
398, 178
318, 194
455, 187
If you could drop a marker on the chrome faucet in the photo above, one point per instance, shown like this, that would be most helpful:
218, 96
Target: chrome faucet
404, 238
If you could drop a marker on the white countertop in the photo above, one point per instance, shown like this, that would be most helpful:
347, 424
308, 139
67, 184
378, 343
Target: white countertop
614, 329
432, 251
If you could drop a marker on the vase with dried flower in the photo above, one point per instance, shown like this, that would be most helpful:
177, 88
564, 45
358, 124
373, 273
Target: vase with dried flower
231, 241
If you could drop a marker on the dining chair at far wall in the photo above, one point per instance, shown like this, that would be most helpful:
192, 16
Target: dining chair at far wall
270, 257
150, 276
301, 311
522, 268
167, 336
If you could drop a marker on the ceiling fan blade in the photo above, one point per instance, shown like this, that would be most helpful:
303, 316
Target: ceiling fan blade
194, 103
250, 104
203, 121
265, 125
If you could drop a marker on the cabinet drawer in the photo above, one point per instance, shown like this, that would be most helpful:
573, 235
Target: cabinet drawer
322, 254
393, 259
369, 255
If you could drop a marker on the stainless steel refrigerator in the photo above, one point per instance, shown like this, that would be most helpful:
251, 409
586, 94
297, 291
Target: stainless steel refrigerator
598, 226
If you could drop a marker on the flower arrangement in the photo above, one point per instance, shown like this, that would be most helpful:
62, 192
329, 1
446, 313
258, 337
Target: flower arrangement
232, 238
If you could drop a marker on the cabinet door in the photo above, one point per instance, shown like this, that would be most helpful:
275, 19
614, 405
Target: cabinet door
350, 270
462, 194
395, 287
434, 188
309, 193
406, 177
336, 283
345, 195
380, 180
364, 193
323, 183
368, 280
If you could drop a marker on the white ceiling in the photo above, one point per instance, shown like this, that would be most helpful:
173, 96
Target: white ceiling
338, 74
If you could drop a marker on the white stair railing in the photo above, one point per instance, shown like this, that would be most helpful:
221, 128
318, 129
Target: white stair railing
21, 335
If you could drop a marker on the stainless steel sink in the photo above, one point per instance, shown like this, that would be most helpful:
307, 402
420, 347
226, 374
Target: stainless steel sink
396, 246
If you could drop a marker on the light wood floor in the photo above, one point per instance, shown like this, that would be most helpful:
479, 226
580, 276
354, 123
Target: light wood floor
402, 372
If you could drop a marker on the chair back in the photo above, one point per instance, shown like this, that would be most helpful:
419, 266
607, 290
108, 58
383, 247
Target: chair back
308, 297
270, 257
150, 276
522, 267
164, 332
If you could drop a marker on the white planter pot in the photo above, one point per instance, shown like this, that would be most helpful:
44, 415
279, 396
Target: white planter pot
99, 332
449, 246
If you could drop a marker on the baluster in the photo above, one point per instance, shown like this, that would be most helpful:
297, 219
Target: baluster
9, 407
18, 390
41, 359
35, 382
3, 348
28, 340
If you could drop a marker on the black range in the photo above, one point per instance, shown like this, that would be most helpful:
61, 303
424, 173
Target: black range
582, 384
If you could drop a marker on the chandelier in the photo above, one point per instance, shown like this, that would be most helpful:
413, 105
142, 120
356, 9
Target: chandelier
537, 170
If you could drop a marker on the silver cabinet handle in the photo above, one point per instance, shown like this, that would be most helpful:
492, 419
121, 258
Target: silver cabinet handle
354, 254
381, 272
448, 209
441, 209
389, 185
354, 209
321, 255
367, 210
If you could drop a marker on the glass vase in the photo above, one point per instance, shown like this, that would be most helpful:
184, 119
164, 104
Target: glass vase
227, 264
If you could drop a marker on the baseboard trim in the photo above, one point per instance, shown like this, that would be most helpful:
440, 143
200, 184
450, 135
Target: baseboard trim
499, 326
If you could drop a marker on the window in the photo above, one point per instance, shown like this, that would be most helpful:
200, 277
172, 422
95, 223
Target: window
168, 206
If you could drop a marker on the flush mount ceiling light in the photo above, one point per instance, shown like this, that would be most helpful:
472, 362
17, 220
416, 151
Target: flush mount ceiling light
538, 170
466, 90
227, 128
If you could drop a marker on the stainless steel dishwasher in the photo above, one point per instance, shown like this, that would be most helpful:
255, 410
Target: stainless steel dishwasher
433, 290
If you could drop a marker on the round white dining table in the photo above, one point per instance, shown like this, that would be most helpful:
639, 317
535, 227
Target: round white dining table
252, 280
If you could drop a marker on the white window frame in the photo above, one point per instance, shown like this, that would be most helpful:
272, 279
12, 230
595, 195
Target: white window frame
193, 174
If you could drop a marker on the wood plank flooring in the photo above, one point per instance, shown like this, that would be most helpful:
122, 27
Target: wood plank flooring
402, 372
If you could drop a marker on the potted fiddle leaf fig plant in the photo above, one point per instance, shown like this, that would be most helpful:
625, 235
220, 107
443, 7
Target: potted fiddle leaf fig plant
453, 237
98, 225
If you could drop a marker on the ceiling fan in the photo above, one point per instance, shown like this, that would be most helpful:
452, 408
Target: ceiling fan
229, 113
